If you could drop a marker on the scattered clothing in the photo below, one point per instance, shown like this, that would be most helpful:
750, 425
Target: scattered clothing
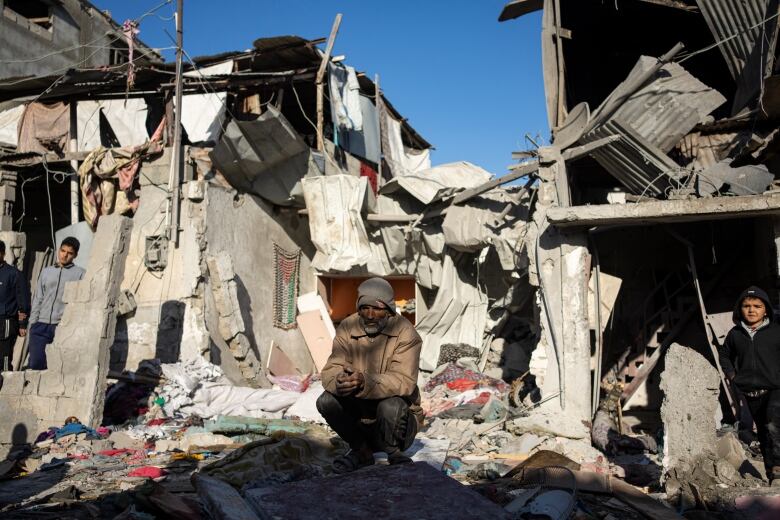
148, 471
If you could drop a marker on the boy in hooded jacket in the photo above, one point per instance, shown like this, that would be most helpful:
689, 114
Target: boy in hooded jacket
750, 358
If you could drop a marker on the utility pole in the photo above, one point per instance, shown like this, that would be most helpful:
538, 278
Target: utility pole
174, 180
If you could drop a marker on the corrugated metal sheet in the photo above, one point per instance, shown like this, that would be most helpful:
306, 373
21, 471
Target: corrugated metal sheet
738, 25
666, 108
727, 18
640, 166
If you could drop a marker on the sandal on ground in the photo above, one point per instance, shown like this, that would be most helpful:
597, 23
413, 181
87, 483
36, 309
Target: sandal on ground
351, 461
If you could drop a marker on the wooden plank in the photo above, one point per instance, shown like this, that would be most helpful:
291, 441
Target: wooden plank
316, 335
664, 211
320, 76
279, 364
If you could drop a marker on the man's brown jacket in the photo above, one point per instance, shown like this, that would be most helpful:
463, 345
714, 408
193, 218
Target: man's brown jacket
389, 361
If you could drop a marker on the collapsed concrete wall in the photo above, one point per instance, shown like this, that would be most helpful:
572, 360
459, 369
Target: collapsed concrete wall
78, 360
168, 323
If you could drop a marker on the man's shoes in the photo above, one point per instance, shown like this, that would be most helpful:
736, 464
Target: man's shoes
351, 461
398, 457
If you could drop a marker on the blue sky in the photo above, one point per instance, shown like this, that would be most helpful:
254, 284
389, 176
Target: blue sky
470, 85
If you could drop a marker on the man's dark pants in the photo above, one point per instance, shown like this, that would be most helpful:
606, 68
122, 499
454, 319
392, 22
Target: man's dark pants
41, 334
7, 345
766, 413
384, 424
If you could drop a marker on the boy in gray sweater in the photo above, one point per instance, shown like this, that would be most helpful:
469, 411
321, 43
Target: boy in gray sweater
47, 304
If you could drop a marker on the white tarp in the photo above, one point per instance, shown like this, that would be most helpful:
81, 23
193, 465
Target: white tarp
458, 315
403, 160
126, 119
430, 185
9, 124
305, 408
202, 116
335, 223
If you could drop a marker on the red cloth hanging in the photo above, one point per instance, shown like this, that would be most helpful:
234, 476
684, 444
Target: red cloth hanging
373, 177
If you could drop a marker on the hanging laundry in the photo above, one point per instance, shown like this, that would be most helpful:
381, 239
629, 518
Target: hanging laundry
107, 178
345, 97
372, 176
44, 128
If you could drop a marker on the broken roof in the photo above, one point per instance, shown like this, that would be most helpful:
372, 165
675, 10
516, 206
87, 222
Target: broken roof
278, 59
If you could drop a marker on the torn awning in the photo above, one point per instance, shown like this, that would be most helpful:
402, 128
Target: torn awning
440, 181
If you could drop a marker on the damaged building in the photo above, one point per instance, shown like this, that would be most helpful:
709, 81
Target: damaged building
564, 307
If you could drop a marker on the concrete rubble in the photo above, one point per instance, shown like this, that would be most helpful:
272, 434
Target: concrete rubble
568, 319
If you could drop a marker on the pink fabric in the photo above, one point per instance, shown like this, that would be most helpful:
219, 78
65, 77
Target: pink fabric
148, 471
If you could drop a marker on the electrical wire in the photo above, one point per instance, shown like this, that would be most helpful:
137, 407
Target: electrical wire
684, 56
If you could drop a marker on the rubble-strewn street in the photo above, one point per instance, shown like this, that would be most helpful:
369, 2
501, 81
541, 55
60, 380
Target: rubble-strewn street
226, 281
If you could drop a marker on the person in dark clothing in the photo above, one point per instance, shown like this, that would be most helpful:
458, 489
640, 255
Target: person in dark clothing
14, 309
750, 358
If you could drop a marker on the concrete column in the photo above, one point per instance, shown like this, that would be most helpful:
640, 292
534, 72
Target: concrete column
560, 267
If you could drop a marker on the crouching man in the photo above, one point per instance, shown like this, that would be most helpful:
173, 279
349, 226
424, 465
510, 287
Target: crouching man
371, 399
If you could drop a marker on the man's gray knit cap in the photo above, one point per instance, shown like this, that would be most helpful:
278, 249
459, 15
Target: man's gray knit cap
376, 290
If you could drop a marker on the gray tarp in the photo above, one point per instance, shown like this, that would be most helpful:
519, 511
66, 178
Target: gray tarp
440, 181
458, 314
266, 157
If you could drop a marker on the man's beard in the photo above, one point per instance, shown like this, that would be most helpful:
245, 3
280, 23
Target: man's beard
375, 327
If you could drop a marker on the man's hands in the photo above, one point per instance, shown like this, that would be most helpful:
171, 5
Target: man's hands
349, 382
22, 316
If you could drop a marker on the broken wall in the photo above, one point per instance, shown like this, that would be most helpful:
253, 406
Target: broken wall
168, 322
78, 359
246, 227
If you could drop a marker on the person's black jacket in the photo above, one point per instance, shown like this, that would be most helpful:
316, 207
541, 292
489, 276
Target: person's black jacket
752, 363
14, 293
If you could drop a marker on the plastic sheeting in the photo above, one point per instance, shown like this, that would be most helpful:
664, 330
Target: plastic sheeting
402, 160
123, 119
363, 143
202, 116
335, 223
458, 314
9, 123
440, 181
